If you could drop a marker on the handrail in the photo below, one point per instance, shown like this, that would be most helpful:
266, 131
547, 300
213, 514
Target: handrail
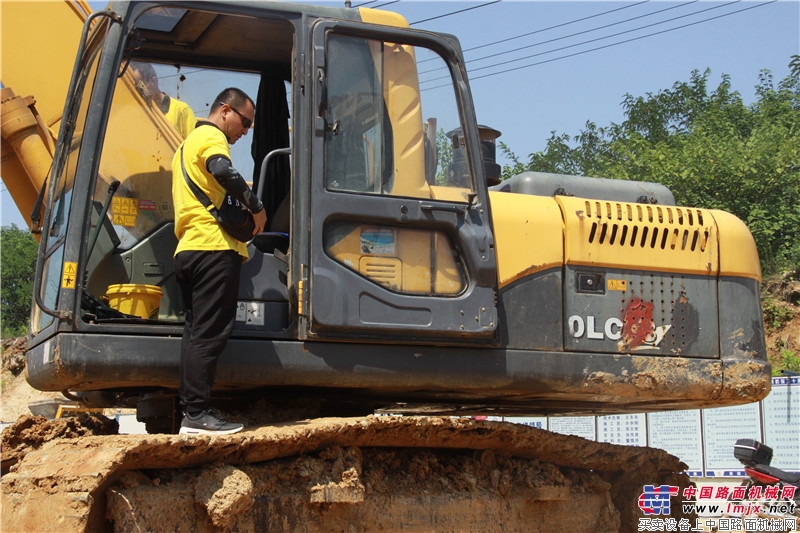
262, 176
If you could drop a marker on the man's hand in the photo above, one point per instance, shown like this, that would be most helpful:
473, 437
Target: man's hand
260, 219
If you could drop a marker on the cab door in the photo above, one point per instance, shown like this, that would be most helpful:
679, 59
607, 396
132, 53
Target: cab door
400, 242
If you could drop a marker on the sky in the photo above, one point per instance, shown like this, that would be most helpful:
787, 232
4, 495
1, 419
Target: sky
556, 65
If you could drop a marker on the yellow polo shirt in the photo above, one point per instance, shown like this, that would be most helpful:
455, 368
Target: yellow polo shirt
195, 228
181, 116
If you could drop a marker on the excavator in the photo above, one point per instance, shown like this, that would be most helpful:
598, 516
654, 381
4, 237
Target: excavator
398, 273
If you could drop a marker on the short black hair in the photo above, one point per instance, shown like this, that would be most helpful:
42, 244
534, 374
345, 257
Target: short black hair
145, 69
233, 97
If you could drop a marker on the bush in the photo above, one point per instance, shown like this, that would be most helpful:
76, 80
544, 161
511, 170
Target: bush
16, 292
776, 313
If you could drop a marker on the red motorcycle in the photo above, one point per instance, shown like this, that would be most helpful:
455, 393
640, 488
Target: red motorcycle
780, 488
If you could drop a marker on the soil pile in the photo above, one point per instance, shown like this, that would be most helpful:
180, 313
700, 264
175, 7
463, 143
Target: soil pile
28, 433
351, 474
16, 393
781, 298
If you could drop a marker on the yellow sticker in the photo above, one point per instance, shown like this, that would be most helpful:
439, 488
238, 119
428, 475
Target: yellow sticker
70, 277
124, 211
617, 284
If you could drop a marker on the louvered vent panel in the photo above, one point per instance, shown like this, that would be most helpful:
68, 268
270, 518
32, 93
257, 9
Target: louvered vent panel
647, 226
384, 270
639, 236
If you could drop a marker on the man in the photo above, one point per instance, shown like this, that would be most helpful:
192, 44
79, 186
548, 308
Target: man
177, 113
208, 260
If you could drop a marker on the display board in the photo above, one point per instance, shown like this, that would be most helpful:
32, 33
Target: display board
678, 433
630, 430
780, 412
582, 426
722, 427
703, 438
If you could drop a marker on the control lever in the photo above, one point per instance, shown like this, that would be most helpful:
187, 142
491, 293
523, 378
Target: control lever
112, 188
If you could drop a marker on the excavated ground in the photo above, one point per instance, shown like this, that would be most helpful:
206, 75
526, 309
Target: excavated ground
335, 474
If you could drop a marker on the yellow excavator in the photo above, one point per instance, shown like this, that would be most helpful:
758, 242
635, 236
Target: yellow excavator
398, 272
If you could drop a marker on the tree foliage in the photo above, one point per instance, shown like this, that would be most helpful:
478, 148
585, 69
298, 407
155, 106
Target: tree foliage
16, 269
709, 148
444, 156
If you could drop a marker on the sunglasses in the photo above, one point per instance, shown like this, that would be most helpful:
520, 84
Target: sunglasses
246, 122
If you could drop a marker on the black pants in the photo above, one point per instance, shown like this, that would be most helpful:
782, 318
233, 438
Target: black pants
209, 284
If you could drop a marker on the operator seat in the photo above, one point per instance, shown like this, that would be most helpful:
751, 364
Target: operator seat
277, 238
280, 218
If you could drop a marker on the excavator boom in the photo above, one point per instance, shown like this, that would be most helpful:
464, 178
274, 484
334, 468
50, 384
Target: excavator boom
40, 42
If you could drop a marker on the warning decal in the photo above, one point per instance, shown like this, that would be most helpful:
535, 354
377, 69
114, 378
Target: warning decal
124, 211
251, 313
69, 279
617, 285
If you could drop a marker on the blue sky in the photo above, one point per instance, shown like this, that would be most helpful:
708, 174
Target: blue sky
559, 90
561, 93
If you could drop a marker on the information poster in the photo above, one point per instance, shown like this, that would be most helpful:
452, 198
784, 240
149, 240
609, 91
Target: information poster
781, 413
629, 430
722, 427
582, 426
678, 433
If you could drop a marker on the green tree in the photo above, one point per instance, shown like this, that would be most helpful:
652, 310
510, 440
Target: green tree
16, 277
794, 65
444, 156
709, 148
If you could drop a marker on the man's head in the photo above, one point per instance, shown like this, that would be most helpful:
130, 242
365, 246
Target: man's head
233, 112
145, 76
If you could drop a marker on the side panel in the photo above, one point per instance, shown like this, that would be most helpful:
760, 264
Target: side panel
652, 313
531, 312
640, 278
741, 319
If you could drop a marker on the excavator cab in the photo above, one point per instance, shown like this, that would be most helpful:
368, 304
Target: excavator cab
386, 233
373, 235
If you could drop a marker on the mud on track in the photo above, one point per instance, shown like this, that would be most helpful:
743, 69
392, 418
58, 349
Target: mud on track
331, 474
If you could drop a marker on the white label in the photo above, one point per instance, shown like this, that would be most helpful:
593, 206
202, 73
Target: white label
251, 313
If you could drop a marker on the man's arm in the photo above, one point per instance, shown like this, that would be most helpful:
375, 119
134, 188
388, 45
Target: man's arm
221, 168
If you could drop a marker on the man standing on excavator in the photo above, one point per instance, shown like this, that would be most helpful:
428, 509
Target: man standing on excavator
207, 260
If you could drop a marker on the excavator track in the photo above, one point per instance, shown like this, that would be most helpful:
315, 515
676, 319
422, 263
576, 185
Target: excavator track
369, 473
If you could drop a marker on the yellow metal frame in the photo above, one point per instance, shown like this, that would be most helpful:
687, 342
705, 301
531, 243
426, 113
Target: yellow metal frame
645, 237
527, 233
536, 233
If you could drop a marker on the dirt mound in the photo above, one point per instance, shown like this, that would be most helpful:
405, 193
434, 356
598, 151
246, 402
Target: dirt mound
16, 393
28, 433
368, 489
785, 287
14, 355
781, 302
354, 474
